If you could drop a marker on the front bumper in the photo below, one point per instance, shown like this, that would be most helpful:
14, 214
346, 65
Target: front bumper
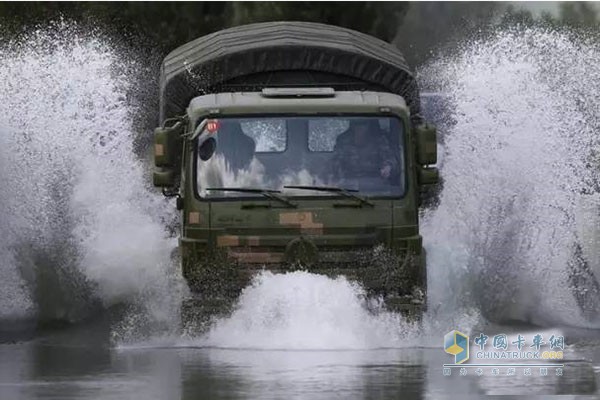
397, 274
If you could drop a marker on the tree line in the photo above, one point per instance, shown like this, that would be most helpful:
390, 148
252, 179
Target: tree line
417, 28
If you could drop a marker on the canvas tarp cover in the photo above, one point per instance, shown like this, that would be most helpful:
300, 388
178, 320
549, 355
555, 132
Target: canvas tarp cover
207, 64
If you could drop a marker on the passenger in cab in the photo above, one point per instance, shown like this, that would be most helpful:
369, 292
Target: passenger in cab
363, 152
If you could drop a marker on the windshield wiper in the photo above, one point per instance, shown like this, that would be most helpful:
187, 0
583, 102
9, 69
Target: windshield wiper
334, 189
268, 193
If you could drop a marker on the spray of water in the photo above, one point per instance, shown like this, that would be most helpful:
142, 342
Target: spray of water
300, 310
519, 164
81, 229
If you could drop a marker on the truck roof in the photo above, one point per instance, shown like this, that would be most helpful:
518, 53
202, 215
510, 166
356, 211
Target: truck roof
257, 102
271, 54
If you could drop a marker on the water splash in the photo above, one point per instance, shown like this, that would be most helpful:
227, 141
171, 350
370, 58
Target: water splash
81, 229
300, 310
518, 164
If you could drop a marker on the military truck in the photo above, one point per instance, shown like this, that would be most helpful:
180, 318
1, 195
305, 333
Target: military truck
295, 146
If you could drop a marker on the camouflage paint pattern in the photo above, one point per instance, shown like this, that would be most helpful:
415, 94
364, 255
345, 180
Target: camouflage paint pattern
223, 243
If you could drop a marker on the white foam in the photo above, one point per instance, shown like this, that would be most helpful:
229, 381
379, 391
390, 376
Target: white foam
515, 167
75, 195
299, 310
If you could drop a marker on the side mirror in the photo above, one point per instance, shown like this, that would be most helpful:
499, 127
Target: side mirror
426, 139
207, 148
168, 146
428, 176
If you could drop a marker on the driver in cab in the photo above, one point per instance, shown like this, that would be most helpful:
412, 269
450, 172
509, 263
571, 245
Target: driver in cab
363, 154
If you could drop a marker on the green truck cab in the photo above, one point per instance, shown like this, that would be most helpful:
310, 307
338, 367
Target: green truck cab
287, 165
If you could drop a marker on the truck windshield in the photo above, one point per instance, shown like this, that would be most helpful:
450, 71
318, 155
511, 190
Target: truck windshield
362, 154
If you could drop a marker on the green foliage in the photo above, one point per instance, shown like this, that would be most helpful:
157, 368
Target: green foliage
418, 28
430, 25
576, 15
436, 26
377, 19
518, 16
170, 24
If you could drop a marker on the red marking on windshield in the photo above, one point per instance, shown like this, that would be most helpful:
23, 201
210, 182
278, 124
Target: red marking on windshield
212, 126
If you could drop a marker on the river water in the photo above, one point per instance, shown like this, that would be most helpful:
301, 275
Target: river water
512, 243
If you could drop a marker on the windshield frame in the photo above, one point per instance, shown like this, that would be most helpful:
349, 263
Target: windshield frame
403, 120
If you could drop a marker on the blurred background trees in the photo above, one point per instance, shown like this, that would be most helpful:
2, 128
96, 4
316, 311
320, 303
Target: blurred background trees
170, 24
418, 28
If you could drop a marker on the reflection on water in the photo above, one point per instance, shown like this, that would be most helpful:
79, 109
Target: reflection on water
298, 374
54, 368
